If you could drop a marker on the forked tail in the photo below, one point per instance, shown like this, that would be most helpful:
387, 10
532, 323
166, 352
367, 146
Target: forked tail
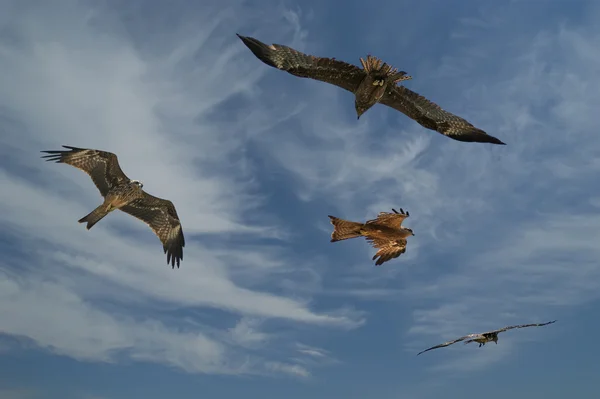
344, 229
94, 216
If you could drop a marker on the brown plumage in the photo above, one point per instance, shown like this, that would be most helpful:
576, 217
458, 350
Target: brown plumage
376, 82
384, 233
122, 193
483, 338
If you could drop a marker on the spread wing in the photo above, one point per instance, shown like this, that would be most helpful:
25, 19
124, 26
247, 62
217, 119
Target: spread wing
432, 116
470, 336
389, 248
102, 166
161, 216
330, 70
389, 219
520, 326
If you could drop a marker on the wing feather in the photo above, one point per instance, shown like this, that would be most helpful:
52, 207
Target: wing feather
389, 219
161, 216
431, 116
450, 342
389, 248
329, 70
520, 326
102, 166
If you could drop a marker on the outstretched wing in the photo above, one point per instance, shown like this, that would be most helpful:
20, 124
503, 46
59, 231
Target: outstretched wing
432, 116
102, 166
389, 248
451, 342
330, 70
519, 326
161, 216
389, 219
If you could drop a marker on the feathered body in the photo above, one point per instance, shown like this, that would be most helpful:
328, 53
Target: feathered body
378, 79
116, 198
127, 195
483, 338
384, 233
376, 82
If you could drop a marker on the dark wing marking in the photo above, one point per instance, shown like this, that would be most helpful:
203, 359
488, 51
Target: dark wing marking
389, 248
519, 326
389, 219
432, 116
329, 70
161, 216
102, 166
450, 342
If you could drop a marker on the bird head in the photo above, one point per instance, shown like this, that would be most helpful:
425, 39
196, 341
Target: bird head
139, 183
410, 231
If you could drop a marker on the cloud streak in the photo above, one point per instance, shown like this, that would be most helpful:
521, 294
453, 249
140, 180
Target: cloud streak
158, 104
494, 243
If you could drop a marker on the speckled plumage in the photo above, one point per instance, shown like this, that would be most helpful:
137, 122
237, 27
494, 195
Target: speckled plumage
384, 233
483, 338
376, 82
122, 193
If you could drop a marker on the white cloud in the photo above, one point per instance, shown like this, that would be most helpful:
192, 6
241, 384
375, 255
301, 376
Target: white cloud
79, 78
503, 234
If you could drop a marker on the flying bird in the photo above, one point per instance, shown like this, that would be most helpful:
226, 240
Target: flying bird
375, 83
384, 233
483, 338
122, 193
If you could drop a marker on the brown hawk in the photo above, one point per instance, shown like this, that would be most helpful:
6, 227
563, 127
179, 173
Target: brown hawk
384, 233
483, 338
375, 83
122, 193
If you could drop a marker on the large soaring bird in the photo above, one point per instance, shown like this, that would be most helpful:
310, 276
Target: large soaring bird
122, 193
483, 338
384, 233
375, 83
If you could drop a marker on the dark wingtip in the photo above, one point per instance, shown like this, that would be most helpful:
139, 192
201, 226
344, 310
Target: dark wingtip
496, 141
483, 137
174, 250
259, 49
55, 155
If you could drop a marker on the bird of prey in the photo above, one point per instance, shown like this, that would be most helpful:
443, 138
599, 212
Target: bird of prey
483, 338
122, 193
375, 83
384, 233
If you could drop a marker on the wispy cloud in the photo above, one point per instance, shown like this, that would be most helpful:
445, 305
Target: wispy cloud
499, 239
157, 102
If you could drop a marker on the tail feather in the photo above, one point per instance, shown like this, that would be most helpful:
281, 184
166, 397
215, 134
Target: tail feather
344, 229
94, 216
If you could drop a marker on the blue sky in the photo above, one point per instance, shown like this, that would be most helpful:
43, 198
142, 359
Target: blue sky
264, 306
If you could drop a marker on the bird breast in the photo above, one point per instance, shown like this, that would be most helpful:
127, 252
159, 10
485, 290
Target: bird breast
370, 90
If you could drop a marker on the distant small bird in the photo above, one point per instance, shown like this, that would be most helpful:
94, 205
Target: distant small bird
375, 83
122, 193
384, 233
485, 337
